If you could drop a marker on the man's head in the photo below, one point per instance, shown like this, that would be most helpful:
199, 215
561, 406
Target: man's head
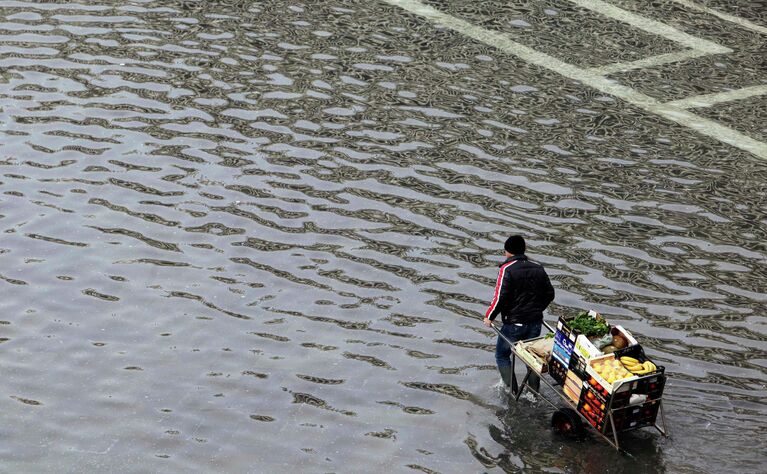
515, 245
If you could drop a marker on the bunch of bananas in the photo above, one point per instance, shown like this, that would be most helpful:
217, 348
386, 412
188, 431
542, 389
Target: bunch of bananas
636, 367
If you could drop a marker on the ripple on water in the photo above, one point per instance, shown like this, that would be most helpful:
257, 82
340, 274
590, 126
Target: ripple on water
222, 213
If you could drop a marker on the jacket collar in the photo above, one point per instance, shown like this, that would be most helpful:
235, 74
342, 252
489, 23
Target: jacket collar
520, 256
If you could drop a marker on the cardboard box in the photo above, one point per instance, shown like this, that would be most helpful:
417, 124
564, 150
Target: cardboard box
557, 370
536, 363
610, 387
573, 395
585, 348
574, 377
573, 386
624, 333
561, 354
563, 348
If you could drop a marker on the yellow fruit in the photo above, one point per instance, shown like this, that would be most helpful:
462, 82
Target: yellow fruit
649, 366
630, 360
599, 368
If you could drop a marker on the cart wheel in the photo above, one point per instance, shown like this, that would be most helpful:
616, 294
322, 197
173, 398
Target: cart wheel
566, 422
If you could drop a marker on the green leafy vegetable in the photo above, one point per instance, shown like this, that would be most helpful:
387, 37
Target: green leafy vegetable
588, 326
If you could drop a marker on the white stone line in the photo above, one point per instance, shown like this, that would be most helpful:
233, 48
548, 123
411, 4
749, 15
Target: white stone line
707, 100
651, 61
724, 16
503, 43
651, 26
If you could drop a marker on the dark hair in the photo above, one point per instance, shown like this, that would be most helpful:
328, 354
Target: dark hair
515, 245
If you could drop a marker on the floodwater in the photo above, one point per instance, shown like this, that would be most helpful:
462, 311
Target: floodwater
259, 236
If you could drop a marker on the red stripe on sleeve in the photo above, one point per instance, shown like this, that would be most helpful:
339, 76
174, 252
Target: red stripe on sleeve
497, 293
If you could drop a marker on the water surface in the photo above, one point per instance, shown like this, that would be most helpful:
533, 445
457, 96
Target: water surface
259, 236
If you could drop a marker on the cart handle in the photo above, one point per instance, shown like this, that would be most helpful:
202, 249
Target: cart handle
547, 326
514, 387
500, 334
511, 344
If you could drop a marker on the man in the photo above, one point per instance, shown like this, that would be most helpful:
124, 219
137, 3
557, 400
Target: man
522, 292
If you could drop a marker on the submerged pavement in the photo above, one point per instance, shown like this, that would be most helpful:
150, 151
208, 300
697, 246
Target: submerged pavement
260, 236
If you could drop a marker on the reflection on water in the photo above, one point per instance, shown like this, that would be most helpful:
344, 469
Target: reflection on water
244, 234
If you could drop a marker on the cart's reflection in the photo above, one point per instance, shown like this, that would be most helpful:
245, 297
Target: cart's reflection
524, 433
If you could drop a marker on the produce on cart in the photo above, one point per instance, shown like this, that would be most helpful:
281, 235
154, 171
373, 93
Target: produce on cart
601, 371
536, 352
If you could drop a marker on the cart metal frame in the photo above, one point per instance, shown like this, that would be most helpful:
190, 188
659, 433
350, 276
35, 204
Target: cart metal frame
614, 442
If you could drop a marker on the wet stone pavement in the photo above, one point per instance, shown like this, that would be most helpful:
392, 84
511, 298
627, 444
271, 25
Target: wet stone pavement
246, 236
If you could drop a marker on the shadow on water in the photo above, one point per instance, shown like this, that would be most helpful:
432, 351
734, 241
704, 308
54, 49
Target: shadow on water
524, 432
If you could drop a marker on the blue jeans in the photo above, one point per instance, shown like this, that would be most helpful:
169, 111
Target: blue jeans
516, 333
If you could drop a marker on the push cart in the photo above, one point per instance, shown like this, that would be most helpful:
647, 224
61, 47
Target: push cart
610, 414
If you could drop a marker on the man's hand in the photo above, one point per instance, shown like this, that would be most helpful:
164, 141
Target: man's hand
487, 322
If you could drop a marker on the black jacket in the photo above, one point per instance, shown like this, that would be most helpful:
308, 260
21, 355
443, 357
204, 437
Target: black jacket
522, 292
